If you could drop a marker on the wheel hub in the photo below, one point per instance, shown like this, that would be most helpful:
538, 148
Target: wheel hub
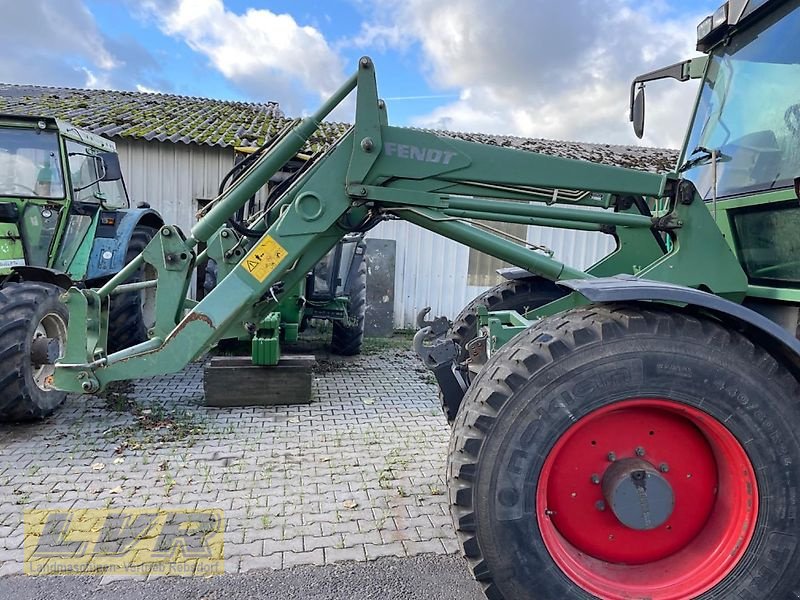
638, 495
48, 343
45, 350
647, 498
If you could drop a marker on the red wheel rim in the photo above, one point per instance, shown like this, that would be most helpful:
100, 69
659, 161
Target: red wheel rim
677, 553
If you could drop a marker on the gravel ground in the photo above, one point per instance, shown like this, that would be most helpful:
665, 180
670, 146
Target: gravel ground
433, 577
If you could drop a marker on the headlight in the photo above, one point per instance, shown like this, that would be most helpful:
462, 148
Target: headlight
705, 27
720, 16
716, 23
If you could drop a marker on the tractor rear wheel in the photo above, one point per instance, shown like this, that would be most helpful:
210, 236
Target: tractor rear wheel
348, 337
33, 334
629, 452
131, 315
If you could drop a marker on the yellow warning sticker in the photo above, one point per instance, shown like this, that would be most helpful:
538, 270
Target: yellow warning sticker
263, 259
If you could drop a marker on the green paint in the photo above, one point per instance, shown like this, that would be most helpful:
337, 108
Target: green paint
11, 251
377, 170
266, 349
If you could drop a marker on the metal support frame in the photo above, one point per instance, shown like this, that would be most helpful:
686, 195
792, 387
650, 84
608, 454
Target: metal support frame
377, 172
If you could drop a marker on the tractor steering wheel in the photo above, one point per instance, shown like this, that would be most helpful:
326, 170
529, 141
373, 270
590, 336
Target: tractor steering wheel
14, 184
792, 118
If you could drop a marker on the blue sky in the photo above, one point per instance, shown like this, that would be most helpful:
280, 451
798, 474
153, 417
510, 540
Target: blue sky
534, 68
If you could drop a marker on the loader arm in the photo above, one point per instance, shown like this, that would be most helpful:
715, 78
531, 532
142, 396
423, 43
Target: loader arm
376, 172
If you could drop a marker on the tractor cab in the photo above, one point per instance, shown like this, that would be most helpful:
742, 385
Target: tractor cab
55, 181
742, 151
64, 220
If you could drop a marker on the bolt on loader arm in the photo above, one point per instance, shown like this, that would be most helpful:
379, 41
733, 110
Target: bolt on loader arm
376, 172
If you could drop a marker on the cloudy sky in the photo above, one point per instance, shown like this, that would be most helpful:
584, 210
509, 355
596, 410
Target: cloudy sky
557, 69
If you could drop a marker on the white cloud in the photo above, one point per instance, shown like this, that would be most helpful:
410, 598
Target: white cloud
558, 70
267, 55
147, 90
63, 46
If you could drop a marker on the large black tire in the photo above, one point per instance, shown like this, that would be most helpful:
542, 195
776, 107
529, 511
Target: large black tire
541, 392
127, 324
348, 338
28, 310
520, 295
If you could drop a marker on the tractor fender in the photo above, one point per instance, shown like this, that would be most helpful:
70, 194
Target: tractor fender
41, 274
758, 328
108, 253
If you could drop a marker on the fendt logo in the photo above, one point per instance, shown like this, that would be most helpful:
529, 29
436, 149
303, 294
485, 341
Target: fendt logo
430, 155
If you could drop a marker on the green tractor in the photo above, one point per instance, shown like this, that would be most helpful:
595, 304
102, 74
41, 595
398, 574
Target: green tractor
334, 290
65, 219
627, 431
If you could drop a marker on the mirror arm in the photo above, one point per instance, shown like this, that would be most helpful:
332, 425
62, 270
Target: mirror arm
682, 71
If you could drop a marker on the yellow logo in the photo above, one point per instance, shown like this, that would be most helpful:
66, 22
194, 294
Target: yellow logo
127, 541
263, 259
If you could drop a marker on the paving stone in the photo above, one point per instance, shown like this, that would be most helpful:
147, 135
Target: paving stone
334, 555
10, 567
312, 557
281, 474
426, 547
326, 541
250, 563
375, 551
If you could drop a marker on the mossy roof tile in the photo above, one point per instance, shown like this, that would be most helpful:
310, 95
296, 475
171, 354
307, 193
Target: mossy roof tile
225, 123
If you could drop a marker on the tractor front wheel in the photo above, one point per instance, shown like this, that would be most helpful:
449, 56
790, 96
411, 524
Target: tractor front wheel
348, 336
131, 315
629, 452
33, 334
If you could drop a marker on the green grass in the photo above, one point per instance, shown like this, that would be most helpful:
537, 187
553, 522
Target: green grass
399, 340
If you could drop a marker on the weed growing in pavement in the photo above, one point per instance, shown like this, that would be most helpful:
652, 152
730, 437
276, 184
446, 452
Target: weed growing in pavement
169, 482
153, 423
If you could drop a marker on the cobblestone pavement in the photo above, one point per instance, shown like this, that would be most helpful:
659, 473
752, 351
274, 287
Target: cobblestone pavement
356, 475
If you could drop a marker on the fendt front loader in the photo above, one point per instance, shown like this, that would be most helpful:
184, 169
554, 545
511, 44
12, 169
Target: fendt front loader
633, 434
65, 219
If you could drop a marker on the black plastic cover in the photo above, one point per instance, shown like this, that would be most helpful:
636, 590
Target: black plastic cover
9, 213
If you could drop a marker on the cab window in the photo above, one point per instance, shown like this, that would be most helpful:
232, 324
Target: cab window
83, 169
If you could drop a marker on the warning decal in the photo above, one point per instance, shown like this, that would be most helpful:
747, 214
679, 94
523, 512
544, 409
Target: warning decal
263, 259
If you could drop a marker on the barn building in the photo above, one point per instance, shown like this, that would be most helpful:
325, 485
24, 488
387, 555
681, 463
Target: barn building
175, 150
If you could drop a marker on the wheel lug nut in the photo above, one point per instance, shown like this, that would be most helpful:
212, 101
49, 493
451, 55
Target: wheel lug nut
600, 505
663, 467
639, 451
595, 478
612, 457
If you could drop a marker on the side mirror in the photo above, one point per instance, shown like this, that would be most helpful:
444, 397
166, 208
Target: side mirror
110, 168
637, 113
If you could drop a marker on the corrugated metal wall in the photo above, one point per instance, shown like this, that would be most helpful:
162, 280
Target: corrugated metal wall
172, 177
430, 270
